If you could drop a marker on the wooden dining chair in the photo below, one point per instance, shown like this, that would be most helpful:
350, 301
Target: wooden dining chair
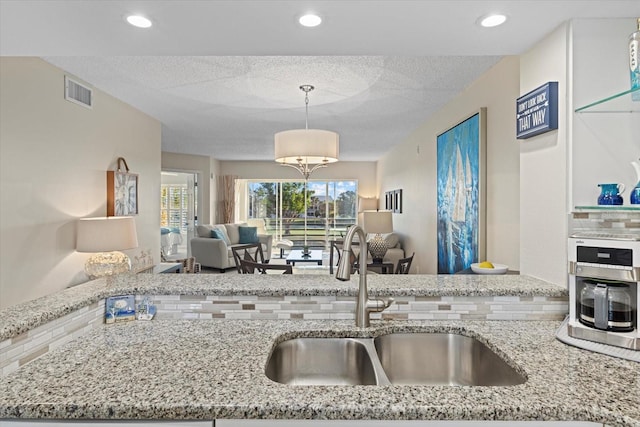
189, 265
251, 267
404, 265
249, 252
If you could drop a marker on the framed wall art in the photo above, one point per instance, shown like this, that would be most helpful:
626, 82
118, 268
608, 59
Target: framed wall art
122, 191
393, 201
461, 152
397, 201
388, 200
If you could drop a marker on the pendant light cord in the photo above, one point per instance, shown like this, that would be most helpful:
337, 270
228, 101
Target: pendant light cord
306, 109
306, 89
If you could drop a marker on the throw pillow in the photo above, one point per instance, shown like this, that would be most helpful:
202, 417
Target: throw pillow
392, 239
217, 234
248, 235
223, 232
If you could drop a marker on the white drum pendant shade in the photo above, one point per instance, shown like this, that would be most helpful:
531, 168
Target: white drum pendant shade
306, 146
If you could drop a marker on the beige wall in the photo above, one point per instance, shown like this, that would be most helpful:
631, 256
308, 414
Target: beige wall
206, 168
411, 166
543, 166
53, 157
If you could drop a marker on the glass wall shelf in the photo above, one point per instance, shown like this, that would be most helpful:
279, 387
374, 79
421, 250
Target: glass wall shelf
618, 103
608, 208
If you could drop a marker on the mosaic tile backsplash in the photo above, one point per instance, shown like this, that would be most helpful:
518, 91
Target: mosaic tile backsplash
336, 307
21, 349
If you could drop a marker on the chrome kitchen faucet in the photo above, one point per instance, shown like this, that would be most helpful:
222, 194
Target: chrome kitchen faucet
364, 305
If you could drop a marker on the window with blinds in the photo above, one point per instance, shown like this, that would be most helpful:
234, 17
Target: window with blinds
174, 199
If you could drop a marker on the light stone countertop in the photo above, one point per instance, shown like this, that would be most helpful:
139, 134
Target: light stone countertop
23, 317
209, 369
212, 369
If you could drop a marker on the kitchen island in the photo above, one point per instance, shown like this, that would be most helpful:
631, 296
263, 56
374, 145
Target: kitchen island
209, 369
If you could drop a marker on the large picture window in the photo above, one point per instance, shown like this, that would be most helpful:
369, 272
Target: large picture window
327, 210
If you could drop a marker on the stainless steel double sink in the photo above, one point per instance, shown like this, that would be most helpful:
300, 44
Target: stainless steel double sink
396, 358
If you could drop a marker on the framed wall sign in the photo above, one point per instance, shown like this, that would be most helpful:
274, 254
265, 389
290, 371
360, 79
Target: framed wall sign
122, 191
460, 194
537, 111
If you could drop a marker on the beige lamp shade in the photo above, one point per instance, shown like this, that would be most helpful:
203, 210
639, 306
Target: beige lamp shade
106, 234
105, 237
377, 222
306, 146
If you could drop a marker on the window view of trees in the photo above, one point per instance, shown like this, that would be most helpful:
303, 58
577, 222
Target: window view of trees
330, 209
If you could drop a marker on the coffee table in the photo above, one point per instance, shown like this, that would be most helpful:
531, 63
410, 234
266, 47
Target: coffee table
297, 256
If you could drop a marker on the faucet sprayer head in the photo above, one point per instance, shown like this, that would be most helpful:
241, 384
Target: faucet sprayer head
343, 271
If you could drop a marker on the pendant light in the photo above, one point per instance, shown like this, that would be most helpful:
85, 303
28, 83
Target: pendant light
306, 149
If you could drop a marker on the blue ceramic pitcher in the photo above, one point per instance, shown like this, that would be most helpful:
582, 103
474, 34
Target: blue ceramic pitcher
610, 194
635, 193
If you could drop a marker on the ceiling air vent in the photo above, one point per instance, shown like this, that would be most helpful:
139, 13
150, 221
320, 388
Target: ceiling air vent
77, 93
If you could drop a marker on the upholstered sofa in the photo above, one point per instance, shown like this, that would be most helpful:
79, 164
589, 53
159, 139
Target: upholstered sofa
215, 252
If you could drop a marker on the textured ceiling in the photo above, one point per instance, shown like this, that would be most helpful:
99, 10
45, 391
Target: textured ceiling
230, 107
223, 76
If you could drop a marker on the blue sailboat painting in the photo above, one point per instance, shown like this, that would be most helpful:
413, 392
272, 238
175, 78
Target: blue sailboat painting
458, 184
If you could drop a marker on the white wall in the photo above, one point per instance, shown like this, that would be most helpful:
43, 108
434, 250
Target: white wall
206, 168
544, 166
54, 156
411, 166
604, 144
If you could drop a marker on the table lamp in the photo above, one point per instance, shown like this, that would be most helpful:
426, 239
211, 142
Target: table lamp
367, 204
378, 223
105, 237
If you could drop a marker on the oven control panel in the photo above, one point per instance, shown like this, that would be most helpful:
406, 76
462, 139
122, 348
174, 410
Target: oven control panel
604, 257
604, 253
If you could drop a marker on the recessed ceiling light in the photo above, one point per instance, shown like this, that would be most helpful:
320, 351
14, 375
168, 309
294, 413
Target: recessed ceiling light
310, 20
492, 20
139, 21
